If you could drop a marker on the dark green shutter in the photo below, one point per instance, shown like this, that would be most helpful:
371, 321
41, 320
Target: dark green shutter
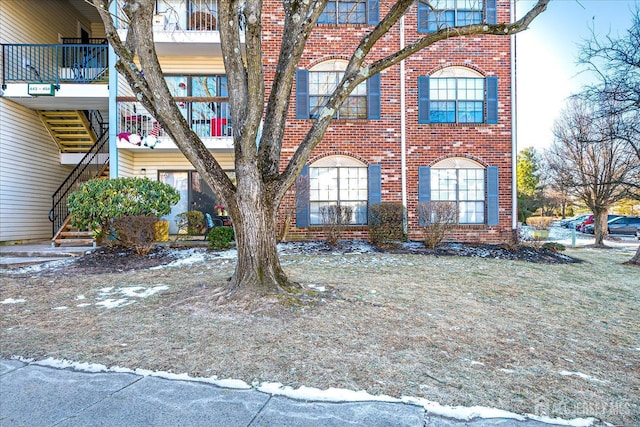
424, 189
423, 99
375, 184
302, 94
373, 97
302, 198
490, 12
373, 12
493, 217
492, 100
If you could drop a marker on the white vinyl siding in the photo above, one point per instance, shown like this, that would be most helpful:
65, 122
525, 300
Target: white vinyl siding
19, 23
30, 171
152, 161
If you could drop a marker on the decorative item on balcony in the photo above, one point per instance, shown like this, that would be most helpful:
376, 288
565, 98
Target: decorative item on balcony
202, 21
131, 138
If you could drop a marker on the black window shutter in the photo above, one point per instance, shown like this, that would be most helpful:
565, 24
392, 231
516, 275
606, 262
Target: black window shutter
423, 100
492, 100
493, 217
302, 94
424, 189
302, 198
373, 97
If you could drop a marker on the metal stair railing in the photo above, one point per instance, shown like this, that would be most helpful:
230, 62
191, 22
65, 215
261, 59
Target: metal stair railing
91, 165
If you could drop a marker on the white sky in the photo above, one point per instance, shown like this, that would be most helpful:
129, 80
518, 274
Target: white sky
547, 53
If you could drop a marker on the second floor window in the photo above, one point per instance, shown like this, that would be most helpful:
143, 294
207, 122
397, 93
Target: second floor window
456, 100
438, 14
457, 95
350, 12
314, 87
323, 83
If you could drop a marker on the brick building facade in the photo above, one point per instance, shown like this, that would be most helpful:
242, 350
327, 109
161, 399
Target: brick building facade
413, 148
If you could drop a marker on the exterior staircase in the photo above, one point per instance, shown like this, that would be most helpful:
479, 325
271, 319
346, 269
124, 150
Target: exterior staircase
76, 132
69, 235
71, 130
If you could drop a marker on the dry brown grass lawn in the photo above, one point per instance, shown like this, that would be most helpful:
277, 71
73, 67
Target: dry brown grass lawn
560, 340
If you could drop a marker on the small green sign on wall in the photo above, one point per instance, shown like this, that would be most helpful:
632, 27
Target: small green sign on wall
41, 89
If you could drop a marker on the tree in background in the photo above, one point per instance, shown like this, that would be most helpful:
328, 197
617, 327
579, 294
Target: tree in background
615, 61
263, 176
528, 181
598, 163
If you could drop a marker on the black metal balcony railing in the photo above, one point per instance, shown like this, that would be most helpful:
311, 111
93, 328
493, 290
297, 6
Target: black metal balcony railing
55, 63
209, 118
178, 15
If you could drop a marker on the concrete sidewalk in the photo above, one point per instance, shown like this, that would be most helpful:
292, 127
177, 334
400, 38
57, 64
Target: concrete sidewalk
22, 255
33, 395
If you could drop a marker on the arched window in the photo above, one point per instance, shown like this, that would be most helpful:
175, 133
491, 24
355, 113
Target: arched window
336, 181
457, 95
468, 184
314, 86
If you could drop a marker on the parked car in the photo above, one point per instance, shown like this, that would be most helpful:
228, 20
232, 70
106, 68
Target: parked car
571, 222
588, 226
624, 225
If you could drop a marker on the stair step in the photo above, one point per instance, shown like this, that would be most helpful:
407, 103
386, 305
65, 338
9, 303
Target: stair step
74, 242
79, 234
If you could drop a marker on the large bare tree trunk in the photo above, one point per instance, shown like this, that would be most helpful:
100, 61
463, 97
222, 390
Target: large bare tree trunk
636, 259
258, 270
600, 226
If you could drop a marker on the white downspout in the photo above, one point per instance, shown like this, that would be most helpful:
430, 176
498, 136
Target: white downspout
403, 131
514, 127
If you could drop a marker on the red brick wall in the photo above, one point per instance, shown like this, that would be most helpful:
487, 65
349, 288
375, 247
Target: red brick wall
378, 141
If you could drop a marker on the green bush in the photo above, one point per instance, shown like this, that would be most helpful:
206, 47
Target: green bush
96, 202
386, 224
136, 232
220, 237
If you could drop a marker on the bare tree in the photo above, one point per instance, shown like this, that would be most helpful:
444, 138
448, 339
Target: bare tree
597, 162
616, 63
261, 183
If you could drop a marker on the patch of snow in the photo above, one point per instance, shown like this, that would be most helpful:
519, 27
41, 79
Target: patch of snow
83, 305
314, 394
64, 307
462, 412
37, 268
114, 303
576, 422
581, 375
141, 291
13, 301
507, 371
328, 395
81, 297
317, 288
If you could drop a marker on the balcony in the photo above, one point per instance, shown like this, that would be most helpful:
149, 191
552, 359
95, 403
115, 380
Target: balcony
208, 116
182, 27
56, 63
180, 15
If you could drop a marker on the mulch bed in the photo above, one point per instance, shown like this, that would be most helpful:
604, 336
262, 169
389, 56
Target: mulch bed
119, 259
